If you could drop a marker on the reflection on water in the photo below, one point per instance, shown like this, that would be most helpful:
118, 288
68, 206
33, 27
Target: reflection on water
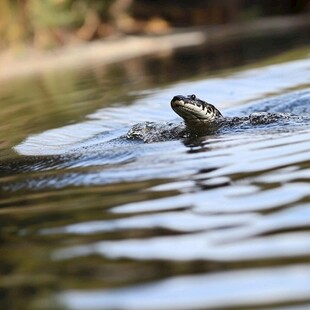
214, 291
90, 220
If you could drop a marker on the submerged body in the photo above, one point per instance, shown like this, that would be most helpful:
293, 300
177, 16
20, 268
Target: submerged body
202, 118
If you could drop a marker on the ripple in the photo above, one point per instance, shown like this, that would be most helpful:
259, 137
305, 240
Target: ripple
232, 199
177, 221
263, 287
217, 246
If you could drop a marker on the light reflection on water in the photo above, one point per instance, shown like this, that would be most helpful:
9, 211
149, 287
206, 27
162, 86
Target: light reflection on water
214, 291
216, 222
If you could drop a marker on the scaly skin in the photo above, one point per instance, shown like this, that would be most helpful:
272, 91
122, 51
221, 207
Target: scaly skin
194, 110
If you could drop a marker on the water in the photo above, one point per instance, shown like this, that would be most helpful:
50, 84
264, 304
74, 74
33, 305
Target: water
92, 221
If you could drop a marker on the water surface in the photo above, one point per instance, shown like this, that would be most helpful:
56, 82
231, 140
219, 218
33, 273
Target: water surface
92, 221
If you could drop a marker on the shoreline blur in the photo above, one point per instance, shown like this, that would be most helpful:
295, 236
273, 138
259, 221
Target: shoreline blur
53, 23
122, 48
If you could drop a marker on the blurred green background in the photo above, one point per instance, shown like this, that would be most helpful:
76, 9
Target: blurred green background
50, 23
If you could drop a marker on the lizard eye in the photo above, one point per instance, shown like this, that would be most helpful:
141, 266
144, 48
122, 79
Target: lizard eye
193, 97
